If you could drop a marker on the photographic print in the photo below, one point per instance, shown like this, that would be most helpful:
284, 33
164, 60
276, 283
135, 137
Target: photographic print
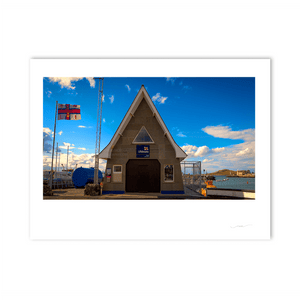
149, 138
150, 149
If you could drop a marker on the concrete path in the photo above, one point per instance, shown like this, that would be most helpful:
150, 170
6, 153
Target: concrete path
78, 194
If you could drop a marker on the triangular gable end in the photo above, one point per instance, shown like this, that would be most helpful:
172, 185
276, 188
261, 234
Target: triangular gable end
142, 94
143, 137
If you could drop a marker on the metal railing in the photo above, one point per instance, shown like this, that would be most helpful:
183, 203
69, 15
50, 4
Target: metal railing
191, 174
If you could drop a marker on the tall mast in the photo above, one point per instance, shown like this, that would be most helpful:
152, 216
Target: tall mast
51, 175
98, 129
59, 161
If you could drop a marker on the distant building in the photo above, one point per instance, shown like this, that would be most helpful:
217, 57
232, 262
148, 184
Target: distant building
142, 155
243, 172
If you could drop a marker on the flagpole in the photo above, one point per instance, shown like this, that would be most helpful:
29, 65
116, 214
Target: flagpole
68, 158
51, 175
56, 161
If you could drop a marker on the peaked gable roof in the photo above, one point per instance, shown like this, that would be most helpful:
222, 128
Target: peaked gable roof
142, 94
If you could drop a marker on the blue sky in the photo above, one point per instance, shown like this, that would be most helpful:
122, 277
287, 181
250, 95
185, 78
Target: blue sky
212, 119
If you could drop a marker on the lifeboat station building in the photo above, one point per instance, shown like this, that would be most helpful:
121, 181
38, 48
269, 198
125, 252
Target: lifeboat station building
142, 156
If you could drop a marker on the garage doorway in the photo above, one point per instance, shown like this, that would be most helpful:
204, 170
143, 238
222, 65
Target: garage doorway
143, 176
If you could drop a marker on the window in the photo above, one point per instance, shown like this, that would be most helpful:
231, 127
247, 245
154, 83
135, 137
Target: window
117, 169
143, 137
169, 173
117, 173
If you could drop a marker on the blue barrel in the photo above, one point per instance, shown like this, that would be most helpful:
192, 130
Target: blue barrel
82, 176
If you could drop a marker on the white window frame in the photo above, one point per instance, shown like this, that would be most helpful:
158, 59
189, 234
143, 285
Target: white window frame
168, 181
117, 173
117, 166
145, 143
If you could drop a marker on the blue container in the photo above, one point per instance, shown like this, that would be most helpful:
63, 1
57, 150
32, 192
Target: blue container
83, 176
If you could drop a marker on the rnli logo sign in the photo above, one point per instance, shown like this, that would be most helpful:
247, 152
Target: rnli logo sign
142, 151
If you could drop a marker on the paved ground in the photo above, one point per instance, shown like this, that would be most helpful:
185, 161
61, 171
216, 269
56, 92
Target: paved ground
76, 194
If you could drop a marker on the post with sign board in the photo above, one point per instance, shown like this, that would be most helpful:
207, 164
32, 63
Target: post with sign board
108, 174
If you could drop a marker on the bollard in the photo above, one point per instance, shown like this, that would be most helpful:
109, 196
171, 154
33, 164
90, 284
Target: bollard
101, 186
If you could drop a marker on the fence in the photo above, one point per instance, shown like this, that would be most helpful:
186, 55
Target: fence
191, 174
61, 180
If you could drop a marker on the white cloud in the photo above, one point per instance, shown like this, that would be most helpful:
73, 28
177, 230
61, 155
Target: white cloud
207, 160
226, 132
201, 151
68, 82
186, 87
160, 99
194, 151
128, 87
245, 152
218, 150
103, 120
180, 134
48, 93
47, 130
47, 139
171, 79
65, 146
112, 98
91, 81
60, 133
81, 126
189, 149
82, 148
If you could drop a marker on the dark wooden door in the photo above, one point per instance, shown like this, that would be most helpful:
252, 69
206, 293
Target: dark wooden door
143, 176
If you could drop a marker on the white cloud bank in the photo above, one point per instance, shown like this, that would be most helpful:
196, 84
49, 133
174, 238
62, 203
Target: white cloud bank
83, 160
240, 156
68, 82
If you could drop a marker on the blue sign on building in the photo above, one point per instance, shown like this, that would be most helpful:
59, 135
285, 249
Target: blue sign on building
142, 151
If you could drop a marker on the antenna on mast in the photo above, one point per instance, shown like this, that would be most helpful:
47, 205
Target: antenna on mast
98, 129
